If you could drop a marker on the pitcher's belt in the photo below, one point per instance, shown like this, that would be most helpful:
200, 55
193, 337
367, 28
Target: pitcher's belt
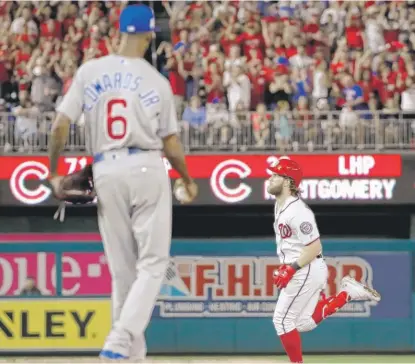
115, 154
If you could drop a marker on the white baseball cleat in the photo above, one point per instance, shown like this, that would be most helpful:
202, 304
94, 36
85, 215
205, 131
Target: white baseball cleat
358, 291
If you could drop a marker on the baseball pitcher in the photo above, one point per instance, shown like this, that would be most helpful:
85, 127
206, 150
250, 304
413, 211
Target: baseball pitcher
130, 121
303, 273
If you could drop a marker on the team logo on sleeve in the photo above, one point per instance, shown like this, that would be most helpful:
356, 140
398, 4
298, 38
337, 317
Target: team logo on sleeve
306, 228
285, 231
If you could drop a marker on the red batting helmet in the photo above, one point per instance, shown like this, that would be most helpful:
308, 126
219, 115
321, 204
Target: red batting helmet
286, 167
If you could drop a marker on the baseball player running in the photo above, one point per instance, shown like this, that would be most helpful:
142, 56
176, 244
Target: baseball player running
130, 120
302, 275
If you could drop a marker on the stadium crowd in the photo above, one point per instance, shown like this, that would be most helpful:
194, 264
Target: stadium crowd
42, 43
245, 74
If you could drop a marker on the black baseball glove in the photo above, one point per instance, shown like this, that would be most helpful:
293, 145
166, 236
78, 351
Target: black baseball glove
74, 189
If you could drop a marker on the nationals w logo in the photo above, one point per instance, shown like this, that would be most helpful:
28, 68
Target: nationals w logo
285, 231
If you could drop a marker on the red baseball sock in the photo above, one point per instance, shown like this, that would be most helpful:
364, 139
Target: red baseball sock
291, 341
328, 306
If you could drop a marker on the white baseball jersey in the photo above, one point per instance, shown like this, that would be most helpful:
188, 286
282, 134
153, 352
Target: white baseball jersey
295, 227
125, 101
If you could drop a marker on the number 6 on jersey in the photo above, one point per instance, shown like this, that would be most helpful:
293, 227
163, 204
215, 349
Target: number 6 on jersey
116, 123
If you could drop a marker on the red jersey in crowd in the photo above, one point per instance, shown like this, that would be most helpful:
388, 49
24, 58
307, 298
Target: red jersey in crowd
227, 44
215, 93
4, 74
354, 37
21, 56
177, 82
51, 29
251, 41
367, 89
258, 87
385, 87
291, 51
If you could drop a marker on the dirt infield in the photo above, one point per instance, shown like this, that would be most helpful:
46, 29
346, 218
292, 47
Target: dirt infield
163, 359
277, 359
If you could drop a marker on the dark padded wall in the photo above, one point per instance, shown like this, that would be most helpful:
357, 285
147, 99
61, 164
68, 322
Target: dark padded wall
228, 221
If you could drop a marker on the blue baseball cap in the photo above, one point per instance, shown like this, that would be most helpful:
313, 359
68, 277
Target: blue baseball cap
137, 19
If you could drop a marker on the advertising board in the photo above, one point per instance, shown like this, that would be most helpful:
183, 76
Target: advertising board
209, 284
54, 325
215, 278
82, 273
242, 179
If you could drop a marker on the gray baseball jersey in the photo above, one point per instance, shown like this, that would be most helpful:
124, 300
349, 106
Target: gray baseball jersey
125, 101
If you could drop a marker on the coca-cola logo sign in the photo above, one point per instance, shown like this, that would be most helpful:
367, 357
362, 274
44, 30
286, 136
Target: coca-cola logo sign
235, 179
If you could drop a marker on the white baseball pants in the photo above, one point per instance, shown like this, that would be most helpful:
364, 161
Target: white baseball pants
296, 302
134, 217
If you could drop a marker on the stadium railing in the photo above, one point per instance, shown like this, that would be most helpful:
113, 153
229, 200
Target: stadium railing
245, 131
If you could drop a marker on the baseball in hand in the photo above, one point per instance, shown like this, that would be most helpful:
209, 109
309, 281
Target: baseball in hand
181, 194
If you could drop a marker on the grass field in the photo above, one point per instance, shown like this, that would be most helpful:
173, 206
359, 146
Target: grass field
229, 359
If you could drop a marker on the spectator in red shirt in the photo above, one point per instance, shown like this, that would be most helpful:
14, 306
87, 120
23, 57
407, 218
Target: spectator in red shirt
313, 35
290, 48
5, 7
192, 60
384, 84
23, 53
180, 25
366, 85
339, 62
228, 39
204, 42
258, 85
96, 43
49, 28
4, 74
279, 47
177, 76
214, 56
252, 38
354, 31
213, 84
269, 69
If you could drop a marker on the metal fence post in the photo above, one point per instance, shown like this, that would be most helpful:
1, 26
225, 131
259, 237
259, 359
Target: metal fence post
58, 273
